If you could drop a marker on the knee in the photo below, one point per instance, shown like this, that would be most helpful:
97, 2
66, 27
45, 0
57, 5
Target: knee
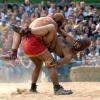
37, 66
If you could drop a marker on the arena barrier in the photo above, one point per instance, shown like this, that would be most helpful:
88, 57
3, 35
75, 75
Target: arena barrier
85, 74
20, 70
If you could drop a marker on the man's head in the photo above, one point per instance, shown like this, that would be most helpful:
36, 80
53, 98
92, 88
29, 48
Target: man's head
58, 18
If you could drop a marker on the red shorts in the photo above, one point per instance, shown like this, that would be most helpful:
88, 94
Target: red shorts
32, 45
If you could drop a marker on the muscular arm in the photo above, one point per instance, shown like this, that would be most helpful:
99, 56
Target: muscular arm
63, 33
16, 40
64, 60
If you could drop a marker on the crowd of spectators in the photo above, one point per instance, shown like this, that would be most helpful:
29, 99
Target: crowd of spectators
80, 21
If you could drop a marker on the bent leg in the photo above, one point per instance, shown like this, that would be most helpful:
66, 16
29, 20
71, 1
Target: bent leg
35, 73
43, 30
48, 59
48, 34
53, 75
58, 89
36, 70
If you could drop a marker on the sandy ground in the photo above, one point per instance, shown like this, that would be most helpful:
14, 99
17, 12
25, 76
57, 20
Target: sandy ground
82, 91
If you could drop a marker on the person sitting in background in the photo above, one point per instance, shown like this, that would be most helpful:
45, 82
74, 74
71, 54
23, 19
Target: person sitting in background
98, 46
96, 32
92, 57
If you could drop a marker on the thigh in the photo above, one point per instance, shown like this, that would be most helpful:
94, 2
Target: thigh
50, 39
47, 58
38, 62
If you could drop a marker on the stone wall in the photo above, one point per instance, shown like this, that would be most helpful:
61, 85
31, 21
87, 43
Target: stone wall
85, 73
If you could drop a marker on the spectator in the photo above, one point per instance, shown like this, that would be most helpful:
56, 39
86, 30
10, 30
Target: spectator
20, 12
98, 46
52, 8
92, 57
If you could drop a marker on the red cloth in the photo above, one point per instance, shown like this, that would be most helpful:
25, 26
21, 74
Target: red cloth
32, 45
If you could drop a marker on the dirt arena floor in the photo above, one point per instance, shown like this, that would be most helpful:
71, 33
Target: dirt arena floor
19, 91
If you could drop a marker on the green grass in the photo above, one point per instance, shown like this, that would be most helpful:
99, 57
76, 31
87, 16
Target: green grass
21, 1
89, 1
38, 1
